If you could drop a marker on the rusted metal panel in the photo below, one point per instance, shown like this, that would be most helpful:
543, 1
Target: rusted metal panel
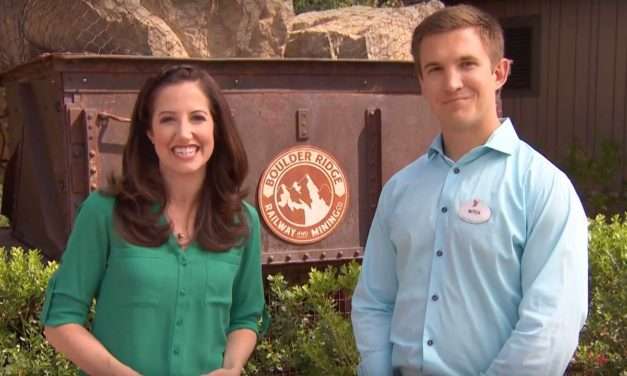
367, 115
40, 214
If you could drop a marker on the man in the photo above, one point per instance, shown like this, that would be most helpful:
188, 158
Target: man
476, 261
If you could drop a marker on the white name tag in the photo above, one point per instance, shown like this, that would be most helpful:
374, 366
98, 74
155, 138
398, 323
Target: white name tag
474, 211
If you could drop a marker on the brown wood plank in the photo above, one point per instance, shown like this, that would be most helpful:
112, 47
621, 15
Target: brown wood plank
593, 53
605, 77
582, 72
620, 99
566, 79
529, 105
549, 131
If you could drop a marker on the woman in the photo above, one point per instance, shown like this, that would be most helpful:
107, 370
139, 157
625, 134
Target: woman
171, 254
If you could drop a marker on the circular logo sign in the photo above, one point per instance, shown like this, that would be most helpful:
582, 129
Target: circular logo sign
303, 195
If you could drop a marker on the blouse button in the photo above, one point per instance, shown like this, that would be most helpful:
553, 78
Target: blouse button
182, 292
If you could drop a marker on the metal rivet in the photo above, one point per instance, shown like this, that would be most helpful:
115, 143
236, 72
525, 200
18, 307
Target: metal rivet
236, 83
84, 80
340, 254
323, 255
356, 253
93, 187
305, 256
288, 258
92, 153
92, 170
365, 82
270, 259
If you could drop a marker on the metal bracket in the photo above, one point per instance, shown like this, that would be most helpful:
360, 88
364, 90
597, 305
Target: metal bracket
373, 158
302, 124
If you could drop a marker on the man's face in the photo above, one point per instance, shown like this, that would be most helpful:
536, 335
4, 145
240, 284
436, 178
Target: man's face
459, 81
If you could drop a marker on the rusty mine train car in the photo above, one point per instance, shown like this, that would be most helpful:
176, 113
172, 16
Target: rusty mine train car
334, 131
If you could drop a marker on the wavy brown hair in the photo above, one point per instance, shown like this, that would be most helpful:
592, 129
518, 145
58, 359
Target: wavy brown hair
140, 192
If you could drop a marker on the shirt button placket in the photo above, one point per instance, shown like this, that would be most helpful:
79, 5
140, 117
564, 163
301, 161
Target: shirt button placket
181, 303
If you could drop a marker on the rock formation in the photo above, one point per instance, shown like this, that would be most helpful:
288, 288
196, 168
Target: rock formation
357, 32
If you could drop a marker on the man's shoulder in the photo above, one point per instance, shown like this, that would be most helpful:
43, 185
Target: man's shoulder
409, 172
541, 179
405, 177
535, 164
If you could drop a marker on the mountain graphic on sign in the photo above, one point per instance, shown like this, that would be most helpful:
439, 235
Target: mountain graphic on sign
304, 197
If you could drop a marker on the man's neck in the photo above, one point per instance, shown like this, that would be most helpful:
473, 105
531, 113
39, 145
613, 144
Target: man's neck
457, 142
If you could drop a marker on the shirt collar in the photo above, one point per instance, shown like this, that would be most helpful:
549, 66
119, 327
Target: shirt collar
503, 139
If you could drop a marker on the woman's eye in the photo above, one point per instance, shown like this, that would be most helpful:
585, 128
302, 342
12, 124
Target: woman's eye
198, 118
166, 119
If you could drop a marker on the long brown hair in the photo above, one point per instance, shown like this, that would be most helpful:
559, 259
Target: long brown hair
141, 195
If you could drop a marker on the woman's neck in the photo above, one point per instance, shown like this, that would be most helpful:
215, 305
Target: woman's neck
183, 190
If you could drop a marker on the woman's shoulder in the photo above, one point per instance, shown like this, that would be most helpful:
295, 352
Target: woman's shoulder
98, 203
251, 212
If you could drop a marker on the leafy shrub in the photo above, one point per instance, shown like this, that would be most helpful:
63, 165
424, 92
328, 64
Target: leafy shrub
23, 349
309, 335
596, 177
603, 342
301, 6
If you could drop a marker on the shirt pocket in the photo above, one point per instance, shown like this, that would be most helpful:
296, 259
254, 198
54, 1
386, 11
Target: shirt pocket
220, 272
136, 277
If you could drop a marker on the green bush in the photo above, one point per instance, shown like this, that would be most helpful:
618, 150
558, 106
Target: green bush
603, 343
301, 6
309, 335
23, 349
597, 177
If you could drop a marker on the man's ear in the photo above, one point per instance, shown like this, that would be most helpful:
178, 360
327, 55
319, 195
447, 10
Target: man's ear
501, 72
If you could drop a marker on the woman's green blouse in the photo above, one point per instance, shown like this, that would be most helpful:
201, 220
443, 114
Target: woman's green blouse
161, 311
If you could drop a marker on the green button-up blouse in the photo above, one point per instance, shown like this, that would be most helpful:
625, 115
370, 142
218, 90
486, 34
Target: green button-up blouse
161, 311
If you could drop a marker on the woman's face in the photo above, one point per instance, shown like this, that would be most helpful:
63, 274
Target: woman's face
182, 130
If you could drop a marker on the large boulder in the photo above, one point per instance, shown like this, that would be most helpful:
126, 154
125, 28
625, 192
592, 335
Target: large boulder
227, 28
30, 27
12, 45
357, 32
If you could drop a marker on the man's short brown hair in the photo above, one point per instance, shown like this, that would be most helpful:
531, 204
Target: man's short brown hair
460, 17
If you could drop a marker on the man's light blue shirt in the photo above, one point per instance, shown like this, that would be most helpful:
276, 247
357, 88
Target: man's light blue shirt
441, 295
